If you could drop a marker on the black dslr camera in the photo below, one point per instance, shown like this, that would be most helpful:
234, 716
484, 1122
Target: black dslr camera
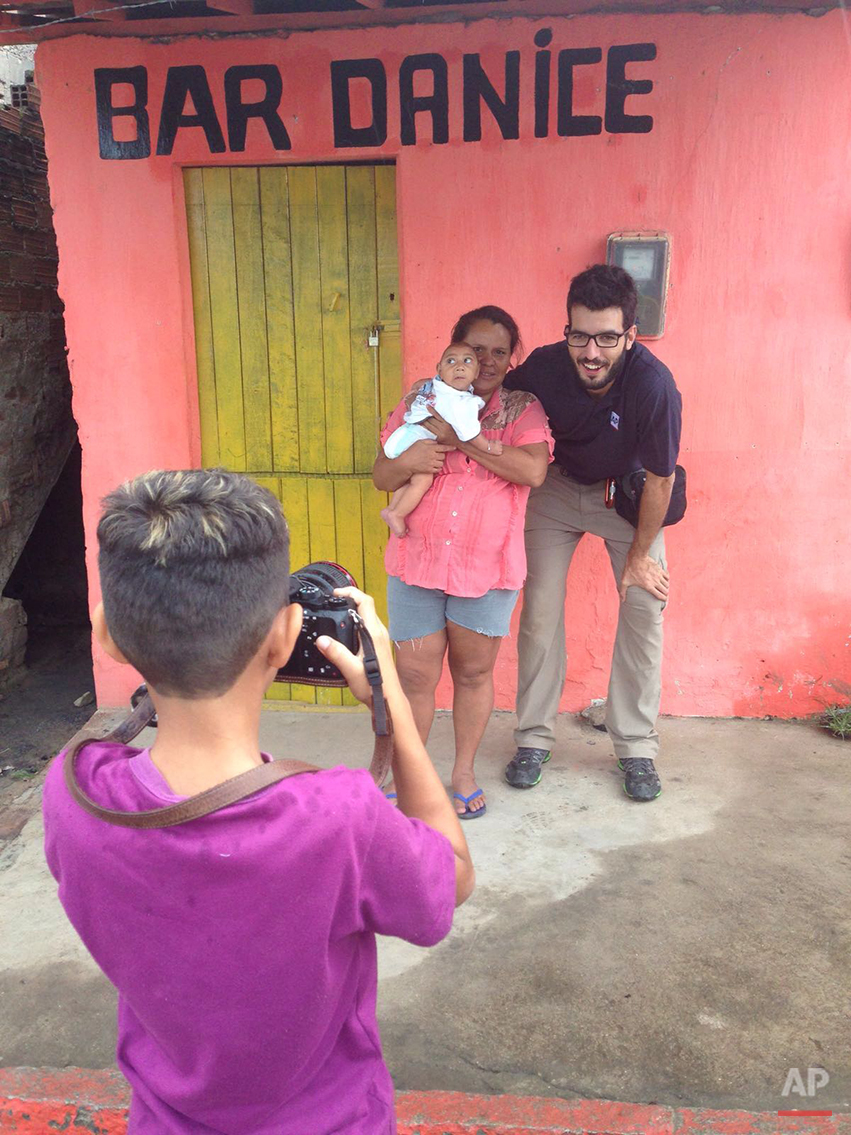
324, 614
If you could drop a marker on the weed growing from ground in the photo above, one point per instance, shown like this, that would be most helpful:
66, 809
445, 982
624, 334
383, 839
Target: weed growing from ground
837, 720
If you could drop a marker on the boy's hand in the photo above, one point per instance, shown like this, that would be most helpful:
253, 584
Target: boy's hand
350, 665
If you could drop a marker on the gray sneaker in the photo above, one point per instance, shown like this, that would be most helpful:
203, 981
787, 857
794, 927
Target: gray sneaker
524, 771
641, 781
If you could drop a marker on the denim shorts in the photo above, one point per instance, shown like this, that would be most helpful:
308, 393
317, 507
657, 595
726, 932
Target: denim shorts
415, 612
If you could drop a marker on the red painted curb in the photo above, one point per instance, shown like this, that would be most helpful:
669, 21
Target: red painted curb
454, 1113
35, 1101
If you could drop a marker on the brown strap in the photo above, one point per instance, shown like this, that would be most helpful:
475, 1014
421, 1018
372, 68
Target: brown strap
143, 713
219, 796
382, 753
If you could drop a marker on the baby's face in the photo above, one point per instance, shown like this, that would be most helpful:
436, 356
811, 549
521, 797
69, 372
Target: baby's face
458, 366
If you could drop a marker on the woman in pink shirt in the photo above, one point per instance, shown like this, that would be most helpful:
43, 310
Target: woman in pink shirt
454, 578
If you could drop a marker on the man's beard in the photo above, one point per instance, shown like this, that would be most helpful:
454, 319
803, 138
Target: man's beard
606, 379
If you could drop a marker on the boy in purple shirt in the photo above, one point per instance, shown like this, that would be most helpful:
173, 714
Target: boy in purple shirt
242, 943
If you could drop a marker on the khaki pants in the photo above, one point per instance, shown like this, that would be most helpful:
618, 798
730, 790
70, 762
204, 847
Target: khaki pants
560, 512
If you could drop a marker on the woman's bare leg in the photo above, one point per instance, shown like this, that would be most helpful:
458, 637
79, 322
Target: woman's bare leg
471, 661
420, 664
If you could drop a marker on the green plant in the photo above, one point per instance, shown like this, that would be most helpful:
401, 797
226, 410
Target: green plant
837, 720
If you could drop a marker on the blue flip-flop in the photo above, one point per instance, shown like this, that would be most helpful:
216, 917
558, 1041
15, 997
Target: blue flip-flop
470, 813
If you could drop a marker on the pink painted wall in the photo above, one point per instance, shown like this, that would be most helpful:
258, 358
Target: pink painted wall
747, 166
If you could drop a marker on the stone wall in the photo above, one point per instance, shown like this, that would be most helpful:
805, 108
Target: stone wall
37, 429
13, 638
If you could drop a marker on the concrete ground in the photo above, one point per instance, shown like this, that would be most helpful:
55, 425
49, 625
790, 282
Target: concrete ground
686, 952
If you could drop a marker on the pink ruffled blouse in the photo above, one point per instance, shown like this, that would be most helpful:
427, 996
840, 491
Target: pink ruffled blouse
466, 535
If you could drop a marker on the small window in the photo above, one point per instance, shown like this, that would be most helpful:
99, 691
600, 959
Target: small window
19, 94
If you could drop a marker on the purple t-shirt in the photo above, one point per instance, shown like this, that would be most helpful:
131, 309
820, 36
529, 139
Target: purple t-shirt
242, 944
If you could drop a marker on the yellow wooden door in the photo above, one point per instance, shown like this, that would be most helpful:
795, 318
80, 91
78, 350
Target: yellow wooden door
295, 287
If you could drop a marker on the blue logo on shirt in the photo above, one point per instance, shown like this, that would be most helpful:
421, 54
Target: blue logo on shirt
615, 421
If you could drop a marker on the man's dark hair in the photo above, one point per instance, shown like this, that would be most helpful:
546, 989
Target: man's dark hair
492, 314
194, 567
602, 286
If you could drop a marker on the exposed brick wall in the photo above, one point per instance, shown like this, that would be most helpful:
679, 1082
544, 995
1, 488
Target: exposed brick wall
36, 425
28, 255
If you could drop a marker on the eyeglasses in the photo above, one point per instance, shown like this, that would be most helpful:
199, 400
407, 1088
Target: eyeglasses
602, 339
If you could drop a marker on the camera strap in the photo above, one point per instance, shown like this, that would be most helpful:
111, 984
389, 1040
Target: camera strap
238, 787
193, 807
382, 725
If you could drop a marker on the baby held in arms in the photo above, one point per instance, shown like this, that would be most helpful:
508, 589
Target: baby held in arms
450, 396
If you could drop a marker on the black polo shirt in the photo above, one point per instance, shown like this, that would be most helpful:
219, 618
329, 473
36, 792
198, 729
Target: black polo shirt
635, 425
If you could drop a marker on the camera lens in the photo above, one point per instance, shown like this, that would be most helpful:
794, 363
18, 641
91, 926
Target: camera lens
322, 576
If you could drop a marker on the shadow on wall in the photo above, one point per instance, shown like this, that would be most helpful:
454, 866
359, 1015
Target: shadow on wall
50, 575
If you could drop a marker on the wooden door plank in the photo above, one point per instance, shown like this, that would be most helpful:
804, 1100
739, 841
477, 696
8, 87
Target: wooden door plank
387, 239
333, 263
349, 527
374, 541
251, 300
225, 317
278, 691
280, 330
200, 275
390, 355
363, 289
390, 371
323, 546
307, 307
347, 508
297, 512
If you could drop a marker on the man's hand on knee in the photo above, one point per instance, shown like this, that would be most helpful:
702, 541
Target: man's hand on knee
642, 571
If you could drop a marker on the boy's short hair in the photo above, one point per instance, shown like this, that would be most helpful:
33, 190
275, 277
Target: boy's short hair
602, 286
194, 567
